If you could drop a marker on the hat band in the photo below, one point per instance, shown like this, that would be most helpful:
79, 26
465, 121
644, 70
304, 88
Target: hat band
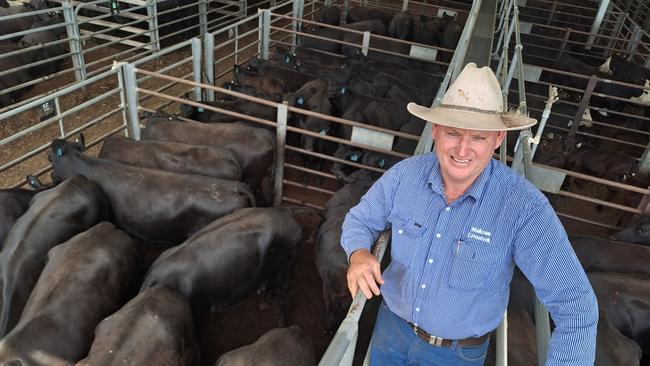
469, 109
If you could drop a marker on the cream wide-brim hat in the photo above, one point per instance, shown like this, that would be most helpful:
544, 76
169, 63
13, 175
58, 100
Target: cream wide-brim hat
473, 102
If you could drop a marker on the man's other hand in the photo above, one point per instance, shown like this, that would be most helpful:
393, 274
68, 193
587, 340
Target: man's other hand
364, 273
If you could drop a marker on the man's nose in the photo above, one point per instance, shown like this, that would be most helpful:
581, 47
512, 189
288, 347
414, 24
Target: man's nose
463, 145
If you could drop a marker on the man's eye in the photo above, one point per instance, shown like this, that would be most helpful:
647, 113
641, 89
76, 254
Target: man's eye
478, 138
453, 134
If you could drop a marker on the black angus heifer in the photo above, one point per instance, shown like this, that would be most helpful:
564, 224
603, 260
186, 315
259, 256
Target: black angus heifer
266, 86
625, 299
401, 26
598, 254
331, 261
13, 204
257, 163
22, 23
4, 4
46, 47
365, 12
374, 26
152, 204
638, 232
54, 216
230, 258
154, 328
330, 15
85, 279
178, 157
611, 165
14, 78
294, 79
277, 347
242, 106
612, 347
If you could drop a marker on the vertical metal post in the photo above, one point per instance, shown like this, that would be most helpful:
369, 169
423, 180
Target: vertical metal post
120, 81
551, 13
502, 342
565, 41
328, 3
264, 32
196, 67
203, 17
598, 21
571, 137
346, 10
130, 88
297, 13
152, 19
57, 111
633, 43
365, 43
644, 163
281, 137
620, 20
405, 5
74, 40
243, 5
208, 51
543, 331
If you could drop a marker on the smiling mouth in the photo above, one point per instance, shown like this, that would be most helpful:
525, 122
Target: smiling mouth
462, 161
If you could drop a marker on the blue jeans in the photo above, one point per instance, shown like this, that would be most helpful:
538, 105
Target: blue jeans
395, 343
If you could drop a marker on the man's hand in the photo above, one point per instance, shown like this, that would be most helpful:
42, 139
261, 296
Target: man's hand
364, 273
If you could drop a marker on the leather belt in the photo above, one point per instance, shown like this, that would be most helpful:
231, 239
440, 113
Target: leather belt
441, 342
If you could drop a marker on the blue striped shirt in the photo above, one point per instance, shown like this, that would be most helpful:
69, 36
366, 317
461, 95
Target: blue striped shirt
452, 264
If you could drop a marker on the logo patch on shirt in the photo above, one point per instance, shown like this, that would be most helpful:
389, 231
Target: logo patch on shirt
479, 234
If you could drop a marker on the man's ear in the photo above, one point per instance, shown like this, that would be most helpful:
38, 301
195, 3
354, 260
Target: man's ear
501, 135
433, 130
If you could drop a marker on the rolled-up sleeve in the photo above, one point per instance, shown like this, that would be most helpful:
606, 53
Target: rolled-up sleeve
369, 218
544, 254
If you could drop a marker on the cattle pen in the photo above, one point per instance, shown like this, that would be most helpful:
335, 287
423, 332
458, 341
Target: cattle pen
140, 81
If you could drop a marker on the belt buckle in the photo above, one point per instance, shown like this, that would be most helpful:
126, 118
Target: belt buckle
435, 341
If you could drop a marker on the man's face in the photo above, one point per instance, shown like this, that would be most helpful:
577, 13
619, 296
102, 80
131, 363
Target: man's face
463, 154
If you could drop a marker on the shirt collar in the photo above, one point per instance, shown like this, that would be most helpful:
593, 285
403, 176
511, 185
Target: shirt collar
475, 190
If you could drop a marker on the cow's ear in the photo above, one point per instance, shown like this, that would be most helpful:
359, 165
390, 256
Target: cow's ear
34, 182
59, 147
81, 142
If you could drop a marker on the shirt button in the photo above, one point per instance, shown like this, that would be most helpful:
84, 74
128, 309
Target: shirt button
417, 309
447, 208
423, 285
438, 235
430, 260
400, 231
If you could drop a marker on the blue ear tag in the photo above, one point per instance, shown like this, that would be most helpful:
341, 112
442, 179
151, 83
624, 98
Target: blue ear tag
382, 162
343, 90
59, 151
200, 110
354, 157
322, 132
300, 101
287, 59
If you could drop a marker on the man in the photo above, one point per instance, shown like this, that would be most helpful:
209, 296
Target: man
460, 223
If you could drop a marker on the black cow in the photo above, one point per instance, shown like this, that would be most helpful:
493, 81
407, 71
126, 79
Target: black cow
612, 347
230, 258
24, 22
598, 254
178, 157
85, 279
257, 164
330, 15
637, 232
54, 216
152, 204
13, 78
522, 343
13, 204
293, 79
363, 13
4, 4
267, 86
242, 106
331, 261
45, 47
625, 299
401, 26
277, 347
611, 165
154, 328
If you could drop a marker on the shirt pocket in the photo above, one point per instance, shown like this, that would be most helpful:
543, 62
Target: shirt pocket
407, 234
472, 264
